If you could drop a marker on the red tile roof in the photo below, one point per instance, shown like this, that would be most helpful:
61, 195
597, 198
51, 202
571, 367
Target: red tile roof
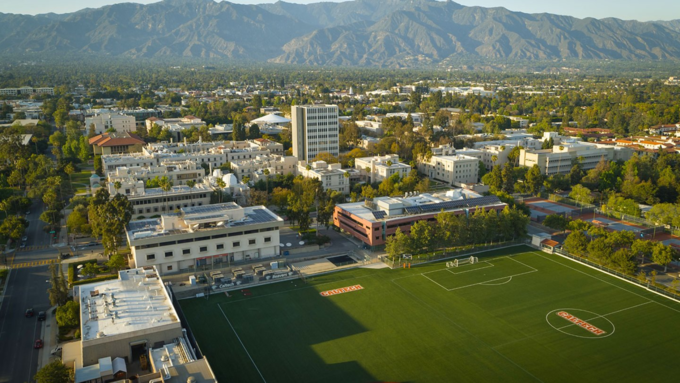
112, 139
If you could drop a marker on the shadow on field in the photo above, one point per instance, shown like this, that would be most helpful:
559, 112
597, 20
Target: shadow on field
283, 327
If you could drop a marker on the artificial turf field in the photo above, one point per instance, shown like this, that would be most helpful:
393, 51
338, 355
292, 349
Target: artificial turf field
497, 320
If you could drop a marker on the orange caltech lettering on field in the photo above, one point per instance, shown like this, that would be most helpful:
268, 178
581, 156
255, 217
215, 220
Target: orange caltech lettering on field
581, 323
341, 290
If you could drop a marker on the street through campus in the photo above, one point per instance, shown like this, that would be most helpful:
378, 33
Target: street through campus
27, 288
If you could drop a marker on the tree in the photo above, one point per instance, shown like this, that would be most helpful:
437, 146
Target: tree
53, 372
279, 199
493, 179
58, 291
258, 197
508, 177
662, 255
301, 199
576, 243
13, 227
117, 262
398, 244
117, 185
191, 184
69, 169
77, 219
254, 131
534, 180
68, 315
90, 269
642, 248
600, 251
166, 185
556, 221
581, 194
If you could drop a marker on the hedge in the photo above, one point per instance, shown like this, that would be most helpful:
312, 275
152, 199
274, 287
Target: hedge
96, 279
72, 270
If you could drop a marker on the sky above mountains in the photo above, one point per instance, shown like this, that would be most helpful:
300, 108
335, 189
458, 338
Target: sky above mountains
623, 9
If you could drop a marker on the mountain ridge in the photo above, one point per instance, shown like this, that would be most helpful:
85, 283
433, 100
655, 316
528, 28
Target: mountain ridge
382, 33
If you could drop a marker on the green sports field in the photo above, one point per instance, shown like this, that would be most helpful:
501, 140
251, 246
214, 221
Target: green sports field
518, 315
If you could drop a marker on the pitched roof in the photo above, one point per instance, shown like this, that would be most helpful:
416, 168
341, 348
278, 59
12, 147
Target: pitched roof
113, 139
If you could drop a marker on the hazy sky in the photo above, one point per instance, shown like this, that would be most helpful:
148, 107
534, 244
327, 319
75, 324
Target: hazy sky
623, 9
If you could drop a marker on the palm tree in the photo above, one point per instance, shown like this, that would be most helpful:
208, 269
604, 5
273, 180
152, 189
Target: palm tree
34, 139
266, 174
191, 184
494, 158
166, 186
221, 185
117, 185
69, 169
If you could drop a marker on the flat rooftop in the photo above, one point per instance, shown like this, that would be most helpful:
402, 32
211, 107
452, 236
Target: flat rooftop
452, 200
137, 300
223, 215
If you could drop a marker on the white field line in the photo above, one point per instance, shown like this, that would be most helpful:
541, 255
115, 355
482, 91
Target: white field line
468, 271
493, 280
242, 345
533, 270
609, 283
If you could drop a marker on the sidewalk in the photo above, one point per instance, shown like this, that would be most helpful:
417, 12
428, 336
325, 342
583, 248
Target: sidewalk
49, 334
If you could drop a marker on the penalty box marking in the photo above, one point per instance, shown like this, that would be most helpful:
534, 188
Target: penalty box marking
533, 270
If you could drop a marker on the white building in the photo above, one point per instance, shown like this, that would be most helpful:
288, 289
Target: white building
561, 157
378, 168
126, 316
330, 175
105, 121
178, 172
253, 168
202, 235
452, 169
181, 122
25, 90
154, 201
315, 130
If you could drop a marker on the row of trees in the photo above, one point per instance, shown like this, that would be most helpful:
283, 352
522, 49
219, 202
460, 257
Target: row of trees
618, 250
453, 230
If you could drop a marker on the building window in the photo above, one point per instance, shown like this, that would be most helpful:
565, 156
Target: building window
236, 244
168, 254
204, 249
186, 251
220, 246
251, 241
150, 257
267, 239
169, 268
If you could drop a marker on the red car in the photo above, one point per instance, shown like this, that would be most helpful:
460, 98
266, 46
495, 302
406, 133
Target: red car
38, 343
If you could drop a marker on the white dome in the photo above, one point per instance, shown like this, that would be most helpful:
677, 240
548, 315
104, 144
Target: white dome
230, 179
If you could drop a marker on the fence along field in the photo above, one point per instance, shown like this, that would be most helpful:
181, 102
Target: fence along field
516, 315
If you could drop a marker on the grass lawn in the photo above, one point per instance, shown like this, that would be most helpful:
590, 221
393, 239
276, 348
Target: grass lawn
508, 318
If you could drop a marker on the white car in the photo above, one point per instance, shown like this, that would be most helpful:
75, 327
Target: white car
56, 351
25, 238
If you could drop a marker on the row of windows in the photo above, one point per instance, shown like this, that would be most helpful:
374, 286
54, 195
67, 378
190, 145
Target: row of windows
203, 249
169, 199
207, 238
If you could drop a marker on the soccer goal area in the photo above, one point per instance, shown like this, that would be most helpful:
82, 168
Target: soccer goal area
467, 272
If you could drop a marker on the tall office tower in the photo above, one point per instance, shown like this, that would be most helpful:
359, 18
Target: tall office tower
315, 130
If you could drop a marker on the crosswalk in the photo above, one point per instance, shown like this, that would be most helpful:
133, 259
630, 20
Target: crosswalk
30, 248
32, 264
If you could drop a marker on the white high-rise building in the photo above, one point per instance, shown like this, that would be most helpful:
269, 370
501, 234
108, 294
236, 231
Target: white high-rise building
315, 130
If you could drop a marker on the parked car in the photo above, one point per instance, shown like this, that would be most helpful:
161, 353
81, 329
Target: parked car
42, 316
23, 245
29, 313
56, 351
38, 343
25, 238
28, 212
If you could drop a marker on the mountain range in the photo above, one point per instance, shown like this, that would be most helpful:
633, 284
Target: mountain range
383, 33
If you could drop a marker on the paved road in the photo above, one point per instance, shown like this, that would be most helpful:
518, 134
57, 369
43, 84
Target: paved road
26, 288
35, 233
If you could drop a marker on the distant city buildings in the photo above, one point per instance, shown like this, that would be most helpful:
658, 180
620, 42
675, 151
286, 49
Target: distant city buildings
331, 175
25, 90
377, 168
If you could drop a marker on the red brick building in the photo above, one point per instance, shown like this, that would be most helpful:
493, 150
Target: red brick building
372, 222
